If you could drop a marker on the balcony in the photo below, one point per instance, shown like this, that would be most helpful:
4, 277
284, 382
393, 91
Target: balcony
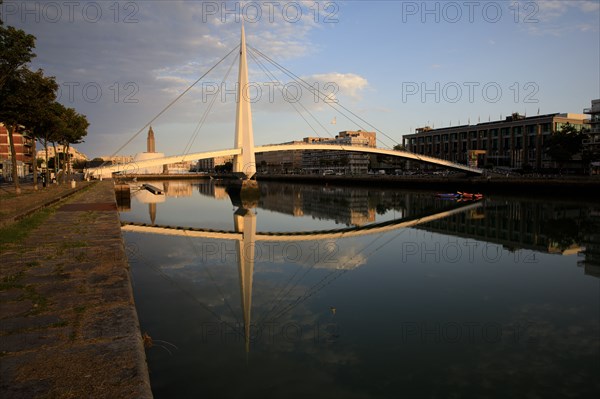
593, 140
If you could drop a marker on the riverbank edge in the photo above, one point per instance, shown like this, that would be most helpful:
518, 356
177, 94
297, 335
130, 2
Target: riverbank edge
23, 214
151, 177
494, 185
128, 318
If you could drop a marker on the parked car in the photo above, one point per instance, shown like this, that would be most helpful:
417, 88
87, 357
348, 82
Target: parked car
29, 177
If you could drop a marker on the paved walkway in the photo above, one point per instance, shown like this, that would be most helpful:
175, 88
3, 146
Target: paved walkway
68, 324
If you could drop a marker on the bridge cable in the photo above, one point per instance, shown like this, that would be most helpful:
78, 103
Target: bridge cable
325, 97
271, 76
171, 103
192, 139
307, 86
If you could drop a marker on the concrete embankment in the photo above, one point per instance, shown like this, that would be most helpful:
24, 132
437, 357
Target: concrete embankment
68, 323
554, 186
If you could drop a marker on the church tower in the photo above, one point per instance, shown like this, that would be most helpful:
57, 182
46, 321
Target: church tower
150, 141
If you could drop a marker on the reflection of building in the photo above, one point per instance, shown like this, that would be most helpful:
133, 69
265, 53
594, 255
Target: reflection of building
178, 189
146, 197
534, 225
513, 225
591, 242
343, 205
24, 148
350, 207
284, 198
513, 142
212, 189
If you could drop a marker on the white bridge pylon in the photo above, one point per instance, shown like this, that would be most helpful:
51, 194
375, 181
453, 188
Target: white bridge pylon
244, 164
244, 161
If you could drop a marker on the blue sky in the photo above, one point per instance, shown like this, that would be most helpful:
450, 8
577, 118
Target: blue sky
398, 65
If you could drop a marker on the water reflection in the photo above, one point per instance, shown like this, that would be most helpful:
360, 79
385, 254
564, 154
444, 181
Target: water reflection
247, 239
535, 224
371, 277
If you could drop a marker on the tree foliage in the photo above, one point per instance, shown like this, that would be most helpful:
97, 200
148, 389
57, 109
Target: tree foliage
16, 50
28, 99
25, 101
226, 168
564, 144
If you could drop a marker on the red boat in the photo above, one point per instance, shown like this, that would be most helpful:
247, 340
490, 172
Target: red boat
470, 195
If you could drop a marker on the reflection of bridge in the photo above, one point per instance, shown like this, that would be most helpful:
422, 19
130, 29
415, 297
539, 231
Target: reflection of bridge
374, 228
246, 239
244, 163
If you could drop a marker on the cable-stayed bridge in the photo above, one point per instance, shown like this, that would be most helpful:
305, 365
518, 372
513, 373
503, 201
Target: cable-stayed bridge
244, 163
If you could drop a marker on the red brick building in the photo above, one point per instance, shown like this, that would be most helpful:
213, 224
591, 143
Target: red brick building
25, 149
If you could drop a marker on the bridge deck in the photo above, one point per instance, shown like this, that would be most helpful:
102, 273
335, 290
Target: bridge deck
132, 167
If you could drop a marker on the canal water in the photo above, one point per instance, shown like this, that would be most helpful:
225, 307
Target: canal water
323, 291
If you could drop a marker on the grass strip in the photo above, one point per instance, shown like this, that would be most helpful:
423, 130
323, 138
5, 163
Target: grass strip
18, 231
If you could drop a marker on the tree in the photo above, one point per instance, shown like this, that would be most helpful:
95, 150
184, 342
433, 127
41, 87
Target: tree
15, 51
75, 128
564, 144
26, 100
79, 164
399, 147
53, 126
38, 118
226, 168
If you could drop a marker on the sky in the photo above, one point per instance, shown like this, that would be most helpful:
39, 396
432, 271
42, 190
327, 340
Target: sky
396, 65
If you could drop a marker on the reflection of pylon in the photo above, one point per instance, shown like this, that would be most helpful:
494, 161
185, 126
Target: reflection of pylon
245, 223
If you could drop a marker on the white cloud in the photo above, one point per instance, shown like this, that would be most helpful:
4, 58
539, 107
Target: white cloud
555, 17
348, 84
